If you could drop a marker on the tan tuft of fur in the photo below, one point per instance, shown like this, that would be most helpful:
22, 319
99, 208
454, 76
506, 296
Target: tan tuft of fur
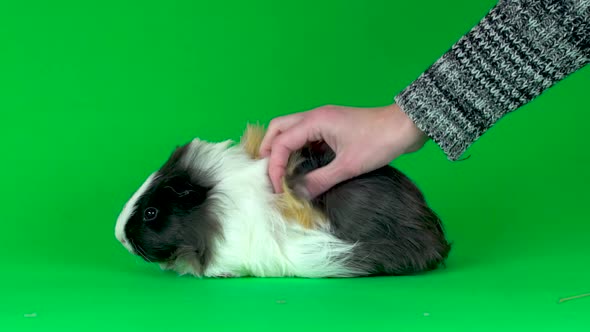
291, 206
252, 139
301, 210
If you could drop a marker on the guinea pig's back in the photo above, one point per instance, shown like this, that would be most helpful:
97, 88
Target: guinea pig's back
383, 212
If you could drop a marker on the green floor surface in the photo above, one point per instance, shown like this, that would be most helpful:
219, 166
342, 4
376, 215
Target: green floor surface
94, 94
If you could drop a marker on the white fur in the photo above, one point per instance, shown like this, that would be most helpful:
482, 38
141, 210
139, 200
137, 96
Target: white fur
128, 211
256, 239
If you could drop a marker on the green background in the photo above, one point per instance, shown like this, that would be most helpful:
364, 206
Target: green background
95, 94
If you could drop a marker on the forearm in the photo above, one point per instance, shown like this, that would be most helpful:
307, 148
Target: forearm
520, 49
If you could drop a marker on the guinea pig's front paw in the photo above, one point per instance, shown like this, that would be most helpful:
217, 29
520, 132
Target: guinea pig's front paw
226, 275
167, 266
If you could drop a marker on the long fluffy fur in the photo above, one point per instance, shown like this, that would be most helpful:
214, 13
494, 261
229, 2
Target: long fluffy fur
220, 218
292, 206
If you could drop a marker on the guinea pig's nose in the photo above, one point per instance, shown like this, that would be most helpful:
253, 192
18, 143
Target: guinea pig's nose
123, 241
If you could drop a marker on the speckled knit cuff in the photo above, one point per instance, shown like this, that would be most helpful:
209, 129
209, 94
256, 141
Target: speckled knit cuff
520, 49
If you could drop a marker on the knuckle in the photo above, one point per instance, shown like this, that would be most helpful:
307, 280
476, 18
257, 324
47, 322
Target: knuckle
279, 143
320, 115
278, 160
327, 112
274, 122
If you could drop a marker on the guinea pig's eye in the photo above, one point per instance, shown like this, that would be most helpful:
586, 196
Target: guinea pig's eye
150, 214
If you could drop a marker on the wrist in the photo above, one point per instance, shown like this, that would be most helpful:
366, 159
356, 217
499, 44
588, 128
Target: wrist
405, 130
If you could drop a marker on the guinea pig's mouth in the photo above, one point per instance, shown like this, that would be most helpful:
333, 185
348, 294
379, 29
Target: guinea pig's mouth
137, 250
127, 244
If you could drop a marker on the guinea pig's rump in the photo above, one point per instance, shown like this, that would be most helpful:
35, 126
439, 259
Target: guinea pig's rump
383, 212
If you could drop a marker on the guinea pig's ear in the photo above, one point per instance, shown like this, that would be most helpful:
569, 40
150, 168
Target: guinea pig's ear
181, 188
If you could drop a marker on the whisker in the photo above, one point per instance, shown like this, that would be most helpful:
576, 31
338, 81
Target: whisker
143, 254
140, 251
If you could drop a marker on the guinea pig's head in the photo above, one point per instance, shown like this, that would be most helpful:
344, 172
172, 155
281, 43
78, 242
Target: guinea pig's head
171, 217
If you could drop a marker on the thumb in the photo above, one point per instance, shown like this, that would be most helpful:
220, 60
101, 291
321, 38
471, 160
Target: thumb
322, 179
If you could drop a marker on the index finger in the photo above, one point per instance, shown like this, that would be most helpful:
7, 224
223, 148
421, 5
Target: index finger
285, 144
275, 128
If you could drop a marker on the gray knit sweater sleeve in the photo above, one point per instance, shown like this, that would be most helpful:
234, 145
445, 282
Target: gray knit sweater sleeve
517, 51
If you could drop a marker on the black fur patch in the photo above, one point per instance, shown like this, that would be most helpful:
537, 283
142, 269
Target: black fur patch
184, 226
396, 231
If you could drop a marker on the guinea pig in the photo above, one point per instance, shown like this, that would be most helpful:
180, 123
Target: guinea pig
210, 211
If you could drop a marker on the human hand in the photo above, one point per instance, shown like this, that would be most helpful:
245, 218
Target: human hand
363, 139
